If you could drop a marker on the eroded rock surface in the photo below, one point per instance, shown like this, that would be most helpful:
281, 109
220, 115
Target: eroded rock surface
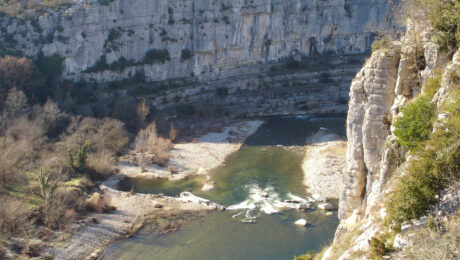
368, 125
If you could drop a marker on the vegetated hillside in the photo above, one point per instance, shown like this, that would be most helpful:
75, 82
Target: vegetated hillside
401, 188
243, 58
53, 159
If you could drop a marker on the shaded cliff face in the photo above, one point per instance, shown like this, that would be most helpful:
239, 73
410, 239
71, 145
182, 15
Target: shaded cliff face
222, 36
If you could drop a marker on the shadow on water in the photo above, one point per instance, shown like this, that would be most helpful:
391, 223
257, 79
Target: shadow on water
293, 131
271, 157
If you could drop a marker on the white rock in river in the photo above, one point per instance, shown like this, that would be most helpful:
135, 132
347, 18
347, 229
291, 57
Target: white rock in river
326, 206
207, 187
189, 197
301, 222
318, 197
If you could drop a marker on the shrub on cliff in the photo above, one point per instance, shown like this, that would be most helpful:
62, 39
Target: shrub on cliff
156, 56
186, 54
416, 123
436, 165
433, 84
445, 18
414, 193
380, 44
310, 255
52, 65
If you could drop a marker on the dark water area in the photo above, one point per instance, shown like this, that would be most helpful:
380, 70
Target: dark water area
268, 163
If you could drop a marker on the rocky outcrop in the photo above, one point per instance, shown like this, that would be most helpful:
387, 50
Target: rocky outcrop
389, 80
239, 57
207, 38
368, 125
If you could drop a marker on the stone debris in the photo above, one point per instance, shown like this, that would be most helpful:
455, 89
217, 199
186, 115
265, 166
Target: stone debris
326, 206
301, 222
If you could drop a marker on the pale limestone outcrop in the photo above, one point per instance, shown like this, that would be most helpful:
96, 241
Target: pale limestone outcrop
223, 36
259, 52
406, 77
442, 96
372, 166
379, 168
369, 118
434, 58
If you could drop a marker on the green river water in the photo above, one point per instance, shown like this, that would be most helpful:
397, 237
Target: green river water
268, 162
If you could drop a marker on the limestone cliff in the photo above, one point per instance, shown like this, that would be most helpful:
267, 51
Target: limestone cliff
374, 160
385, 83
368, 124
221, 35
190, 48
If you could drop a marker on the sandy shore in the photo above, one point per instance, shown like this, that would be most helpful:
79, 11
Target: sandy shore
198, 158
89, 239
323, 163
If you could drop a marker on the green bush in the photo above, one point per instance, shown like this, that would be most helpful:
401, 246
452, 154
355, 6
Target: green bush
156, 56
100, 65
186, 54
445, 18
121, 64
310, 255
111, 43
414, 193
383, 43
433, 84
436, 165
377, 248
415, 124
50, 65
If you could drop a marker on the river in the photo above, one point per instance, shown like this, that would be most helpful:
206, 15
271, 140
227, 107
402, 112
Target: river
252, 183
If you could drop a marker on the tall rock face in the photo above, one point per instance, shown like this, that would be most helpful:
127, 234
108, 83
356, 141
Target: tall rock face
241, 57
222, 36
368, 124
386, 83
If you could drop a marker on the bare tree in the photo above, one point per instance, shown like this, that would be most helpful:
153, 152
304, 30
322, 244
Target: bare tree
47, 190
142, 112
15, 102
172, 132
149, 143
18, 73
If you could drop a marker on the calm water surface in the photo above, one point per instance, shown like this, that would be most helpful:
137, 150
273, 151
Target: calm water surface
269, 162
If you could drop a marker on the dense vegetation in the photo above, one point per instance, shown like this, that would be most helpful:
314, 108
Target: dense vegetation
436, 154
436, 162
51, 159
445, 18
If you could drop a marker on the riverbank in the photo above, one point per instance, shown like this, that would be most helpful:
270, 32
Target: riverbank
323, 163
199, 157
93, 234
90, 236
